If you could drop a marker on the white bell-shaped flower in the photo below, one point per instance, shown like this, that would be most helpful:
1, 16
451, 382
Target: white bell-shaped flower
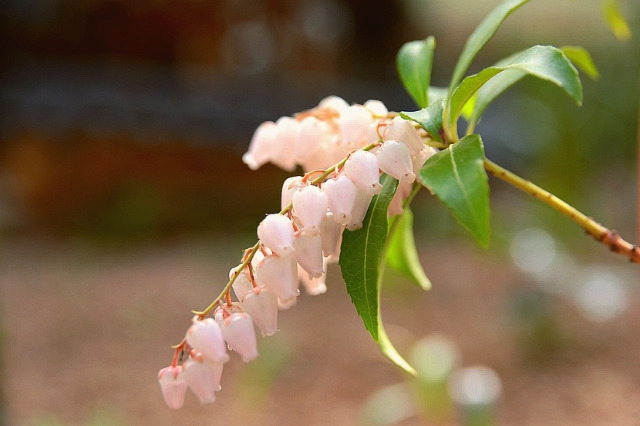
203, 378
394, 159
290, 185
331, 235
341, 194
261, 146
403, 191
280, 275
422, 157
276, 233
308, 254
284, 149
173, 386
354, 123
311, 138
335, 103
242, 285
205, 336
376, 108
313, 286
403, 130
240, 335
262, 305
363, 169
309, 207
360, 207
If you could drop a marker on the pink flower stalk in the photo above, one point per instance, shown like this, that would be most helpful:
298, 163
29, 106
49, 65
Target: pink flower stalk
394, 159
362, 168
262, 144
309, 207
308, 254
276, 233
262, 305
203, 378
205, 337
341, 194
280, 275
240, 335
173, 386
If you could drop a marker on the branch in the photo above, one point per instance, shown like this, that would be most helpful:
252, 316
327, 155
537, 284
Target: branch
602, 234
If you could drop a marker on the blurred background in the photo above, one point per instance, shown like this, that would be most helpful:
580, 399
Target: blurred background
124, 202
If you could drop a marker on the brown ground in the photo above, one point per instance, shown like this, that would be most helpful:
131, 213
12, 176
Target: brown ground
86, 333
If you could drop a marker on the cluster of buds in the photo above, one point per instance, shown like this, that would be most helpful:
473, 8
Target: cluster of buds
346, 148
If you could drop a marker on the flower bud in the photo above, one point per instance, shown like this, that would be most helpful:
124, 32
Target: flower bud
261, 146
341, 194
276, 233
203, 378
262, 305
309, 207
240, 335
362, 168
205, 336
173, 386
394, 159
308, 254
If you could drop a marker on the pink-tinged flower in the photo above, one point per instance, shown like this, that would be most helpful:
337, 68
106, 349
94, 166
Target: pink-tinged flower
276, 233
261, 146
335, 103
376, 108
311, 138
262, 305
308, 254
422, 157
362, 168
403, 191
173, 386
354, 124
240, 335
205, 336
290, 185
313, 286
280, 275
360, 207
394, 159
203, 378
242, 285
331, 235
403, 130
309, 207
285, 146
341, 194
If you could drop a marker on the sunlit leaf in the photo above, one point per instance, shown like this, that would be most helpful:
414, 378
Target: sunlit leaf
402, 254
544, 62
616, 22
457, 177
429, 118
414, 62
480, 36
581, 58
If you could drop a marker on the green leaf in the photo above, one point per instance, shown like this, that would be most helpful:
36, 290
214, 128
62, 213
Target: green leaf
361, 252
581, 58
480, 36
402, 254
616, 22
436, 93
430, 118
414, 62
545, 62
457, 176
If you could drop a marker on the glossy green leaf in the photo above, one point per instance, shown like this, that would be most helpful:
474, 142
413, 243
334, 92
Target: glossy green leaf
436, 93
402, 254
360, 256
429, 118
480, 36
457, 177
616, 22
544, 62
581, 58
414, 62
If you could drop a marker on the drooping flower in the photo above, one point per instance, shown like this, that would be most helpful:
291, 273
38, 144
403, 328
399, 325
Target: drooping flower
308, 254
205, 336
173, 386
395, 160
262, 305
310, 204
203, 377
362, 168
341, 195
276, 233
240, 335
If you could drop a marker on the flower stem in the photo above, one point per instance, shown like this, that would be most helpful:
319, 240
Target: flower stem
602, 234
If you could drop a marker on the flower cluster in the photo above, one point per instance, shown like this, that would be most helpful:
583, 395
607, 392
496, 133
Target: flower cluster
346, 147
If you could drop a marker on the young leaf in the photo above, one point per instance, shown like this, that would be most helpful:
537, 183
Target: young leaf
430, 118
457, 176
545, 62
414, 62
617, 24
480, 36
361, 253
402, 254
581, 58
